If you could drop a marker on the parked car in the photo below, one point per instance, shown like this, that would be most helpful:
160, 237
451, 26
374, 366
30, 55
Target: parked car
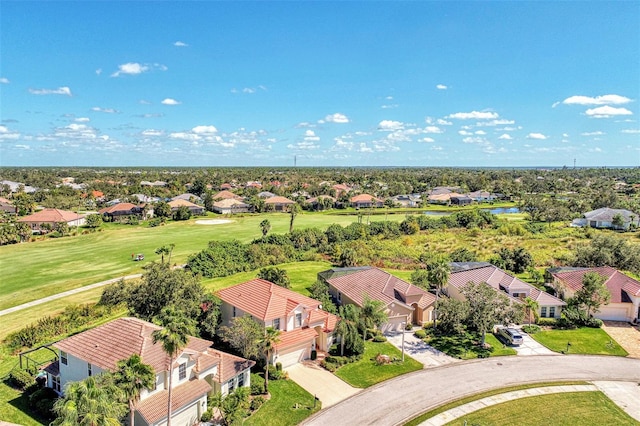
510, 336
138, 257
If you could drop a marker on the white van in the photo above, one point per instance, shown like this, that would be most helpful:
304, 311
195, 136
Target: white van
510, 335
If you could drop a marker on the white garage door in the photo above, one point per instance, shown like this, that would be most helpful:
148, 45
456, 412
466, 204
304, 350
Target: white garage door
395, 325
294, 356
610, 313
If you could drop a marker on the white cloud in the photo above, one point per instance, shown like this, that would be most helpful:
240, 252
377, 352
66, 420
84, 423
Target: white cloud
135, 68
389, 106
598, 100
200, 130
82, 119
170, 101
336, 118
631, 131
477, 115
248, 90
607, 111
474, 139
310, 135
64, 90
480, 132
152, 132
5, 133
432, 129
428, 140
390, 125
107, 110
598, 133
185, 136
498, 122
99, 71
505, 136
443, 122
537, 136
464, 133
4, 80
180, 44
441, 87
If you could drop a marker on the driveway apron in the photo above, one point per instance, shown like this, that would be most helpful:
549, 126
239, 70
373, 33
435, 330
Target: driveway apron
326, 386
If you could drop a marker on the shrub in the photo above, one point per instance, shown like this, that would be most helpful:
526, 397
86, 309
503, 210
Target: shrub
279, 366
257, 384
20, 379
546, 321
531, 329
379, 338
420, 333
329, 366
275, 374
206, 416
257, 403
593, 323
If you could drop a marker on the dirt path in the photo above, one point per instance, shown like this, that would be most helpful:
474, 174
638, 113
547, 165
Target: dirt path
626, 335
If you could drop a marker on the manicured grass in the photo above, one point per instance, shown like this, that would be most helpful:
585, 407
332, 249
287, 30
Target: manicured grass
592, 341
499, 348
441, 409
574, 408
365, 373
466, 346
281, 409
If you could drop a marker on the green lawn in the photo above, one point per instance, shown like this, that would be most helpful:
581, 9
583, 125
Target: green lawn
592, 341
366, 372
576, 408
281, 409
466, 346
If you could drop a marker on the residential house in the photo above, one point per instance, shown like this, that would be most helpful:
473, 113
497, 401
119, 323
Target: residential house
155, 183
188, 197
226, 195
404, 302
47, 219
365, 201
321, 202
340, 189
266, 194
446, 197
604, 218
7, 206
193, 208
17, 186
231, 206
279, 203
408, 200
198, 369
461, 200
304, 326
145, 198
482, 196
121, 210
624, 304
482, 272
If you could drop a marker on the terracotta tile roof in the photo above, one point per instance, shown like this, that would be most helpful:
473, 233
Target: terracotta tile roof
364, 198
51, 215
154, 408
278, 200
205, 361
296, 337
327, 319
180, 203
616, 281
378, 285
230, 202
264, 300
230, 365
107, 344
314, 200
119, 208
4, 200
226, 195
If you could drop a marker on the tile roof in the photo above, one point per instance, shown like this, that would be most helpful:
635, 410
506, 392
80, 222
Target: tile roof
118, 208
154, 408
230, 365
328, 320
278, 200
109, 343
265, 300
605, 214
378, 285
296, 337
180, 203
51, 215
229, 202
364, 198
226, 195
615, 281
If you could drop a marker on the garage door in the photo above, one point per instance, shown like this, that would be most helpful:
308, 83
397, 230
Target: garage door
610, 313
294, 356
395, 325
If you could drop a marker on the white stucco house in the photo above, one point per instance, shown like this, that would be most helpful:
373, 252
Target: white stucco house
199, 370
605, 217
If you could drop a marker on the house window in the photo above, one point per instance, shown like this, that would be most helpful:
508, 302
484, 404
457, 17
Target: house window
276, 323
543, 312
241, 380
299, 319
182, 371
339, 297
232, 385
552, 312
55, 383
234, 311
63, 357
89, 372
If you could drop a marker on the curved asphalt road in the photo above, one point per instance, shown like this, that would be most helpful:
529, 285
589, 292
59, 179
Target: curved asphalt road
395, 401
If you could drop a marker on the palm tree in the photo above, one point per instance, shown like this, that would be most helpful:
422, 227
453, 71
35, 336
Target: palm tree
166, 249
268, 343
174, 336
295, 209
265, 227
132, 376
347, 327
372, 314
531, 306
89, 402
438, 272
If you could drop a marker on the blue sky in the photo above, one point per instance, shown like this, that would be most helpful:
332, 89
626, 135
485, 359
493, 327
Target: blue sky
506, 84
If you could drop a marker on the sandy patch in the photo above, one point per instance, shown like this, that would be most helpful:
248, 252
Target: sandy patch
212, 221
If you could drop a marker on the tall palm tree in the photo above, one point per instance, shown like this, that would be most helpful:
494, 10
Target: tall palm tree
347, 327
132, 376
265, 227
89, 402
531, 306
438, 271
295, 209
372, 314
174, 336
268, 343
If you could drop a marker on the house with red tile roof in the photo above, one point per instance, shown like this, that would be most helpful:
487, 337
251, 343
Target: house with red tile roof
279, 203
199, 370
365, 201
7, 206
463, 273
46, 220
193, 208
404, 302
304, 326
624, 304
226, 195
122, 210
231, 206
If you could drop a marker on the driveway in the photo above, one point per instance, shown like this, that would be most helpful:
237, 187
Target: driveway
419, 350
395, 401
626, 335
531, 347
327, 387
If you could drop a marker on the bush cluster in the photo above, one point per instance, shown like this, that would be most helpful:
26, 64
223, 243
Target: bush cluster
257, 384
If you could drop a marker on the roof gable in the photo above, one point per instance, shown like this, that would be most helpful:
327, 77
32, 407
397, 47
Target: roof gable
615, 281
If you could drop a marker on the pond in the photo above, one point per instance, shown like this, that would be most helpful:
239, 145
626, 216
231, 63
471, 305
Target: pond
497, 210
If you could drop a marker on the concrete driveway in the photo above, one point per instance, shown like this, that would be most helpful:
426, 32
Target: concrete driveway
419, 350
395, 401
627, 336
532, 347
327, 387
